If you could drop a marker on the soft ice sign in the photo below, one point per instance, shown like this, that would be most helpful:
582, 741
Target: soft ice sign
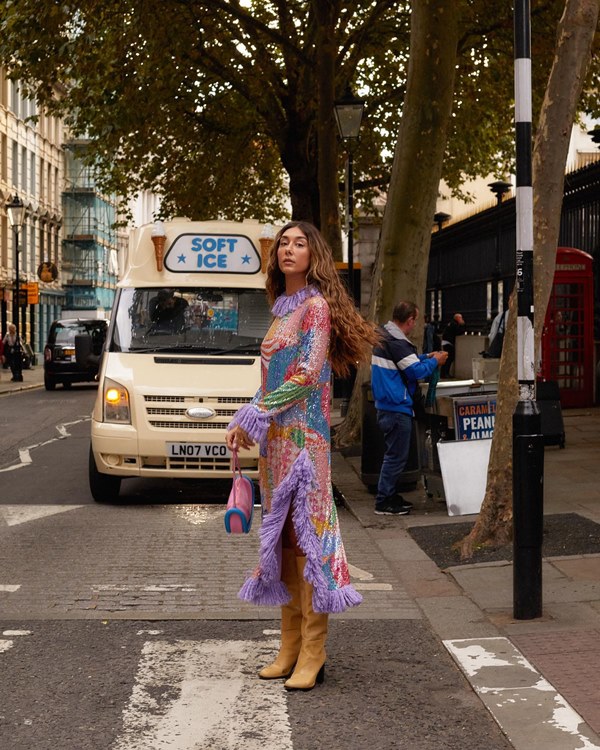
212, 253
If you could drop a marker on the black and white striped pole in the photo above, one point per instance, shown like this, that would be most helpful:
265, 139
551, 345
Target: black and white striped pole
528, 442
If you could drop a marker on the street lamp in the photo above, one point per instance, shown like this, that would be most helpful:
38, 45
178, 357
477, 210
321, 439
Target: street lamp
439, 218
16, 217
348, 114
499, 188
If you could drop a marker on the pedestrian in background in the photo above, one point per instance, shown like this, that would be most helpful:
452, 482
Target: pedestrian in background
12, 353
302, 563
396, 369
456, 327
431, 339
1, 355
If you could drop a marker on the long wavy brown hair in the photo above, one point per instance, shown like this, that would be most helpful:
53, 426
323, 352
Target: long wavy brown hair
352, 337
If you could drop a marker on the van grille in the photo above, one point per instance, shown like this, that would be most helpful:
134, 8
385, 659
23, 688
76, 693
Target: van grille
211, 464
167, 424
198, 399
172, 410
154, 411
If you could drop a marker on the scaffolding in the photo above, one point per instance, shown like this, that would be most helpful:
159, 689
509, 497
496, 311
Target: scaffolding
90, 240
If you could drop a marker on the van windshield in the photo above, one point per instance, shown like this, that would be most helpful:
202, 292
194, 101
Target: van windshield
194, 319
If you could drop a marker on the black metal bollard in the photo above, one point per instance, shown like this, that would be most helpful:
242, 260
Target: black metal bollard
528, 511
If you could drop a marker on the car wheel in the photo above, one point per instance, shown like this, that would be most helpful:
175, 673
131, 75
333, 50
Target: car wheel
104, 487
49, 383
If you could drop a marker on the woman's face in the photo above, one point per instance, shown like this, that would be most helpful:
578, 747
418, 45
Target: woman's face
293, 254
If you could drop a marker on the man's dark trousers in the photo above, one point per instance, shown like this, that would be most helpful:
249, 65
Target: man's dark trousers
397, 432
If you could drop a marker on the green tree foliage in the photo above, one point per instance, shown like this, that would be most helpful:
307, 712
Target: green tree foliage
220, 105
205, 102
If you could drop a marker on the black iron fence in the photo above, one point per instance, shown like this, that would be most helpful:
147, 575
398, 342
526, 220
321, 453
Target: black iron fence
471, 259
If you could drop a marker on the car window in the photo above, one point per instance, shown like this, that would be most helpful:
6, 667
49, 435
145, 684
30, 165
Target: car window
65, 333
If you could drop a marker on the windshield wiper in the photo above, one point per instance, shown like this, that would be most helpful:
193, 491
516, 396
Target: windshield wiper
187, 348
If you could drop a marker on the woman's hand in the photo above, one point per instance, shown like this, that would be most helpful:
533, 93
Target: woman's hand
237, 438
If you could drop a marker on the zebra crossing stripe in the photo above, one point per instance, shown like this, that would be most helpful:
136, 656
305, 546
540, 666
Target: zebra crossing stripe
191, 695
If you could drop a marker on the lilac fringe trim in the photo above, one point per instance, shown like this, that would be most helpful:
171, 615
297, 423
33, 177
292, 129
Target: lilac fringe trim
284, 304
253, 421
266, 587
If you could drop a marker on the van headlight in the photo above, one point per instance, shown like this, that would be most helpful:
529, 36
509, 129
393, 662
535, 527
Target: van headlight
116, 403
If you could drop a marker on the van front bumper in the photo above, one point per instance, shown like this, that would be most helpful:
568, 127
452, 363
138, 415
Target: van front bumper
119, 451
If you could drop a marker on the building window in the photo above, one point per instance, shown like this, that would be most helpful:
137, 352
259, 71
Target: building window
32, 174
42, 233
3, 157
24, 169
34, 263
15, 165
42, 183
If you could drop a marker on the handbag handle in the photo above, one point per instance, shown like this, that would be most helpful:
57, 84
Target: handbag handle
235, 466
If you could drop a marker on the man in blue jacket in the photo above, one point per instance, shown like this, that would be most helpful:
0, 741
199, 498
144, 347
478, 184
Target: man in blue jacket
395, 370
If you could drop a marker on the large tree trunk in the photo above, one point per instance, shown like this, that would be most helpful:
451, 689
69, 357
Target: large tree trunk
575, 35
400, 270
327, 13
304, 182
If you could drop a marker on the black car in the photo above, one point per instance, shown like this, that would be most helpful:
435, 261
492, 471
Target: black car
60, 362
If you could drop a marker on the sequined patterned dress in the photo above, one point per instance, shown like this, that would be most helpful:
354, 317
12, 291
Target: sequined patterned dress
289, 418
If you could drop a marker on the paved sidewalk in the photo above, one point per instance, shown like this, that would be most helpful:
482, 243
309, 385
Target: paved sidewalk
539, 678
32, 378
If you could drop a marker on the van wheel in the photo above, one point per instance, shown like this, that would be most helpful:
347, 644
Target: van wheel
104, 487
49, 383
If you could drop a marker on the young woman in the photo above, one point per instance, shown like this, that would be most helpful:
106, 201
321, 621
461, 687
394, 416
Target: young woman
302, 562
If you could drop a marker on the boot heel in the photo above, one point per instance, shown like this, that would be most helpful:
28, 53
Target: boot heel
321, 675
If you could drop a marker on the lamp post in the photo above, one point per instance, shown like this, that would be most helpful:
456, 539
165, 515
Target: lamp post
348, 114
16, 216
439, 218
499, 188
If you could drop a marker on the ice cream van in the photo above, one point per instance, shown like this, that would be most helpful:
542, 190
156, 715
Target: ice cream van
182, 353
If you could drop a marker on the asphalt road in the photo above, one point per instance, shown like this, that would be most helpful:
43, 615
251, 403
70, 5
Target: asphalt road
120, 628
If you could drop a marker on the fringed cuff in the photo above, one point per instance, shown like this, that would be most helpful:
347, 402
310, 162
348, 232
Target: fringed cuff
253, 421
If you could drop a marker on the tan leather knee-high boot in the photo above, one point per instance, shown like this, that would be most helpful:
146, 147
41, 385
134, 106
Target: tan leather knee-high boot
310, 667
291, 621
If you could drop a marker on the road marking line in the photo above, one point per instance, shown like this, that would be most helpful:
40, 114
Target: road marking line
16, 514
362, 575
525, 705
154, 588
16, 632
373, 586
5, 645
10, 587
24, 453
189, 695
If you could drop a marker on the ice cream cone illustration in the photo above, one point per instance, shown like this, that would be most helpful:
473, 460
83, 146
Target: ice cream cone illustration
159, 238
266, 241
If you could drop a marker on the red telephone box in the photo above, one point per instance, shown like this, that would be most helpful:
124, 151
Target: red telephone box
568, 335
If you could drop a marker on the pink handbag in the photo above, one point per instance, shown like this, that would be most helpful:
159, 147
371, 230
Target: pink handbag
240, 505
